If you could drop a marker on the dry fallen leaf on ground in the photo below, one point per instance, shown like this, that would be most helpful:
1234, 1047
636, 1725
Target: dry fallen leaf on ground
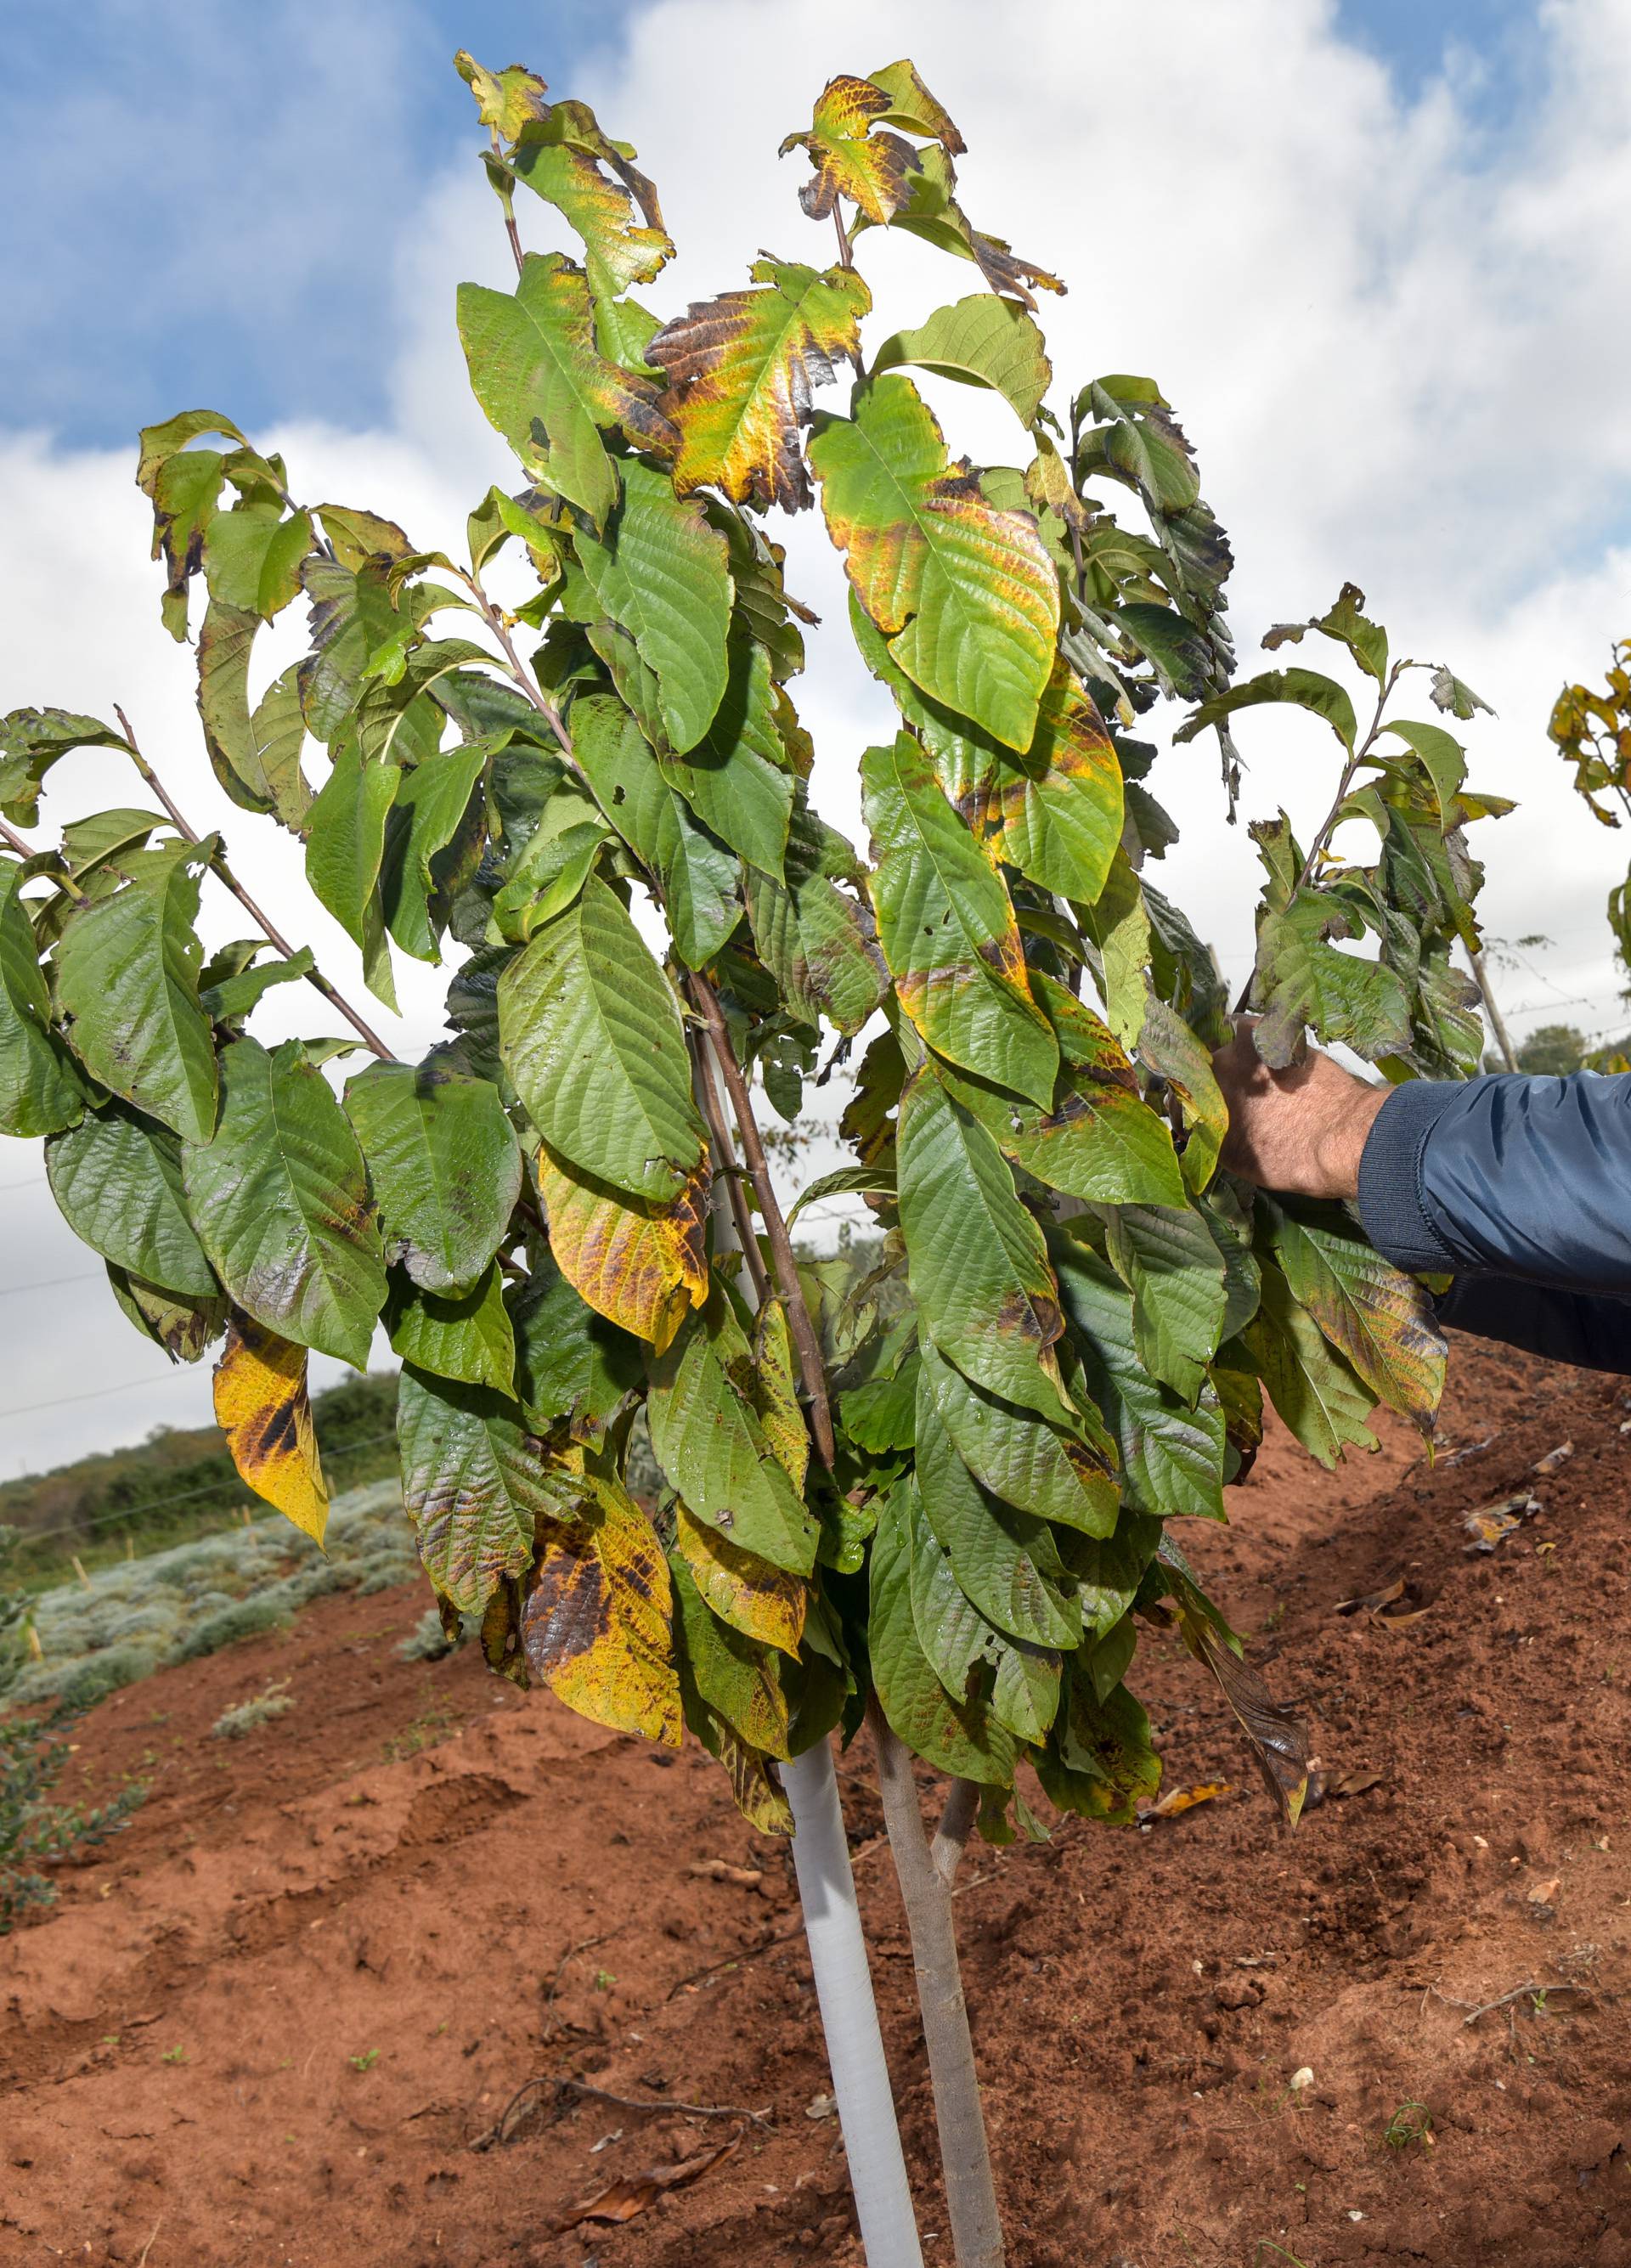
1185, 1799
720, 1870
1492, 1523
1554, 1458
632, 2193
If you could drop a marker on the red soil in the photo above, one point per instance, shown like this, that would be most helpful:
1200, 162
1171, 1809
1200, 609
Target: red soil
270, 2023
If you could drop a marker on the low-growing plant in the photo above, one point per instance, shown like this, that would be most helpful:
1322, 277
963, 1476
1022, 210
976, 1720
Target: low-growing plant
274, 1700
938, 1499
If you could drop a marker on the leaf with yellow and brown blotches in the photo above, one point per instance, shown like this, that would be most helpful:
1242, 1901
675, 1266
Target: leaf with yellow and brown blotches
965, 593
1056, 812
560, 155
741, 370
504, 99
639, 1262
597, 1626
912, 106
872, 169
931, 211
775, 1392
762, 1602
261, 1406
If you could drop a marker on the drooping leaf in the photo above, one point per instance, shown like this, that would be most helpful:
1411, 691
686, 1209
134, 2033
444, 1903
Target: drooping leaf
475, 1486
127, 983
1055, 812
1310, 1384
1276, 1735
1165, 1256
538, 374
1301, 688
1169, 1047
948, 930
41, 1089
1348, 624
663, 574
1100, 1760
707, 1436
1171, 1455
597, 1625
957, 1737
571, 1363
735, 778
698, 875
1005, 1560
564, 158
464, 1334
965, 593
1379, 1318
593, 1040
279, 1200
639, 1262
234, 993
444, 1164
740, 1678
1118, 925
117, 1180
817, 940
1036, 1467
764, 1602
346, 852
252, 557
183, 1326
254, 753
976, 1260
425, 816
931, 211
851, 156
261, 1406
983, 341
1303, 983
31, 740
742, 372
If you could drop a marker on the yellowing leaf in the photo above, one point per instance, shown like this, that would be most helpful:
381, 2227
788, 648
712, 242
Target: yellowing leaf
261, 1406
741, 370
965, 593
637, 1263
560, 155
873, 169
597, 1625
775, 1393
504, 99
762, 1602
1056, 812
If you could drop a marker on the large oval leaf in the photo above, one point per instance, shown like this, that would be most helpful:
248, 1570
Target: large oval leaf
261, 1406
640, 1265
1005, 1561
699, 874
955, 1736
40, 1089
280, 1202
598, 1623
1036, 1467
443, 1163
591, 1039
117, 1179
663, 573
474, 1484
127, 980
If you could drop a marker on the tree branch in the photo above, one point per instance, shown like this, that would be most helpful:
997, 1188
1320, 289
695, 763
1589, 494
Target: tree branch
786, 1267
1497, 1021
956, 1824
224, 872
725, 1165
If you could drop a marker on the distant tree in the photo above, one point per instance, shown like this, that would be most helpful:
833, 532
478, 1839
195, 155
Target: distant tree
1557, 1048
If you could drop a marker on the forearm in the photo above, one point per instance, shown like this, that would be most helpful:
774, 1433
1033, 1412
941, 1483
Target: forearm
1594, 1333
1525, 1178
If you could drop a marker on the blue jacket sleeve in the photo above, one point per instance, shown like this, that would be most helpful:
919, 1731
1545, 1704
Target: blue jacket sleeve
1521, 1189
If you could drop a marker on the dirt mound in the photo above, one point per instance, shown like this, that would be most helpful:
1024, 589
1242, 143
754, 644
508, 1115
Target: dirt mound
275, 2021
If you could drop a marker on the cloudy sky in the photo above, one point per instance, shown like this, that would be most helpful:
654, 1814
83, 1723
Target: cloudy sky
1374, 253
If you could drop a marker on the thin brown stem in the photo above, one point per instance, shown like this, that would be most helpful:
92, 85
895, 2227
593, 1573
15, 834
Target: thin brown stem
224, 872
725, 1165
1492, 1010
925, 1889
782, 1261
511, 229
847, 258
1333, 819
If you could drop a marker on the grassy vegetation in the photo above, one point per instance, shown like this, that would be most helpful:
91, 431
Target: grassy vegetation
179, 1484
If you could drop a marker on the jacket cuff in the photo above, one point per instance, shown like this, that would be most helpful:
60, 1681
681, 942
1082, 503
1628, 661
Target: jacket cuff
1392, 1204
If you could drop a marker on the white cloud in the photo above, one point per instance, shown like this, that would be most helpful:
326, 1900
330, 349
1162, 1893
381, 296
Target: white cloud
1398, 345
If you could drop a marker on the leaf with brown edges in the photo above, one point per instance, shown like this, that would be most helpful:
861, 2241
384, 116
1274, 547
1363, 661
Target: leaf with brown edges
597, 1626
638, 1262
261, 1406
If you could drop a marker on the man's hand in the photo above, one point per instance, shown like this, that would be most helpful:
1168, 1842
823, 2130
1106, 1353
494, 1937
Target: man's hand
1302, 1131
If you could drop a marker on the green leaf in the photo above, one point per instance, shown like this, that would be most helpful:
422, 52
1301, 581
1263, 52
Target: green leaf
252, 557
430, 803
231, 998
734, 778
874, 1181
1442, 759
741, 1679
966, 759
663, 574
591, 1039
474, 1485
1314, 1390
1108, 1570
30, 741
1168, 1260
955, 1736
255, 754
880, 1414
464, 1335
1172, 1456
444, 1164
1380, 1318
1005, 1562
698, 875
1302, 981
1101, 1141
983, 341
1169, 1047
570, 1364
559, 156
967, 595
1055, 812
182, 1327
948, 929
1100, 1761
40, 1091
346, 852
1036, 1467
1346, 623
126, 981
537, 372
706, 1435
976, 1260
1302, 689
1459, 701
87, 843
817, 940
117, 1181
280, 1202
185, 488
1118, 925
741, 370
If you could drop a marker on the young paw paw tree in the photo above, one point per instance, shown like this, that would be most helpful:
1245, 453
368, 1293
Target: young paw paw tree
938, 1501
